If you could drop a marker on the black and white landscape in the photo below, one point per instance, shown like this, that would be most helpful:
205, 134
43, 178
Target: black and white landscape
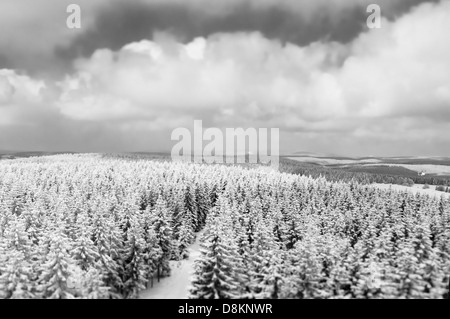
226, 149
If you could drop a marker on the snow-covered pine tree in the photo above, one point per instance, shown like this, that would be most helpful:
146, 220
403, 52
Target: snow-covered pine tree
15, 281
186, 237
152, 251
191, 205
214, 276
84, 251
93, 286
164, 233
55, 270
135, 274
105, 240
273, 279
432, 271
202, 201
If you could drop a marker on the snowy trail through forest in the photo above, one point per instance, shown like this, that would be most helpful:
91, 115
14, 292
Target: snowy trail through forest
176, 286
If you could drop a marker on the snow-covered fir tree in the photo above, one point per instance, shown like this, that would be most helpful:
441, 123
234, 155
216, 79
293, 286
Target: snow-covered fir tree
88, 226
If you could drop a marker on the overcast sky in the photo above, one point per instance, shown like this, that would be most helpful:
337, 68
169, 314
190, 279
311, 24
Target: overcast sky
138, 69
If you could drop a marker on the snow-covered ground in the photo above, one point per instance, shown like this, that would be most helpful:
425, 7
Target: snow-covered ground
417, 188
335, 161
426, 168
176, 286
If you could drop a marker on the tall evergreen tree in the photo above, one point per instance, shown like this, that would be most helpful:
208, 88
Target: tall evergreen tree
164, 233
55, 270
214, 276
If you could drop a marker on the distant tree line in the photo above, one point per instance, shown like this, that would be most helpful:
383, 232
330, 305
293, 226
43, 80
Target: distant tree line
442, 188
335, 175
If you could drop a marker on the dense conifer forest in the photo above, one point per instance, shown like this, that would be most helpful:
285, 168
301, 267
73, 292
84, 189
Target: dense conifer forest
88, 226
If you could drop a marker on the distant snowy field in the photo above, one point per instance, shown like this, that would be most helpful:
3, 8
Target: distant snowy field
334, 161
416, 189
426, 168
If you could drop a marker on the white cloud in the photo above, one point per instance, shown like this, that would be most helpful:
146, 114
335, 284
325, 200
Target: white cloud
18, 86
397, 71
6, 90
18, 96
244, 72
402, 70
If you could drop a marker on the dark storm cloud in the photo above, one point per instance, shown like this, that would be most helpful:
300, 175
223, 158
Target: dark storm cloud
400, 7
4, 62
123, 23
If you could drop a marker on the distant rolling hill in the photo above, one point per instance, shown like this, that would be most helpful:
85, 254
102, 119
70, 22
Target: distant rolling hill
409, 167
